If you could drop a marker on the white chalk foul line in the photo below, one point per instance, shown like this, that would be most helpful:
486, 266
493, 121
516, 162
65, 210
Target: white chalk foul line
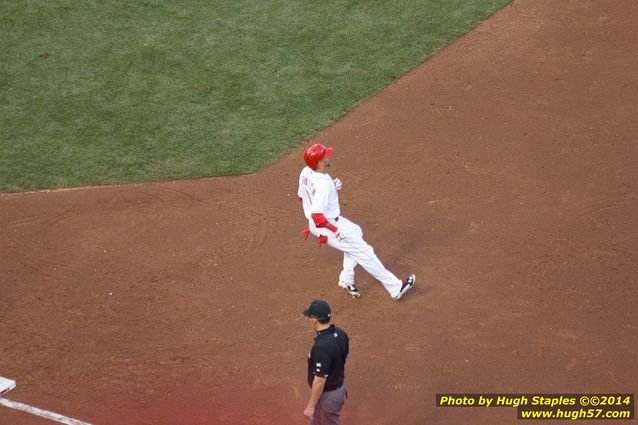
40, 412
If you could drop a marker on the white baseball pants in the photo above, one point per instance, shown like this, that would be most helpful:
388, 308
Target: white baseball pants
357, 251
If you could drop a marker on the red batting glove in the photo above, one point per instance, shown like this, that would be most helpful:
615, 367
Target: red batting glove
323, 239
306, 233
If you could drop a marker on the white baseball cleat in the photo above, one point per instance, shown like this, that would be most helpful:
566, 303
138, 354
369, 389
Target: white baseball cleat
350, 289
408, 283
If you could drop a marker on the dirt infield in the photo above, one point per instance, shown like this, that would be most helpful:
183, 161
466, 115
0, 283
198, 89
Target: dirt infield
502, 172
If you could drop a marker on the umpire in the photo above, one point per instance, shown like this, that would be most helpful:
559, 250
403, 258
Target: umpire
326, 367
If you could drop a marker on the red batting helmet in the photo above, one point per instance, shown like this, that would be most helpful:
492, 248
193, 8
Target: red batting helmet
316, 153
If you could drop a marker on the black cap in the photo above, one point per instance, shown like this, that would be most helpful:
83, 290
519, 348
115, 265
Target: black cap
319, 309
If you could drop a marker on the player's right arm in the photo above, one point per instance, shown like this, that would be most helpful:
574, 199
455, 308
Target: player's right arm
318, 383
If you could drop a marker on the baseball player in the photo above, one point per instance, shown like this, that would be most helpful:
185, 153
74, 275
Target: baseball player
318, 195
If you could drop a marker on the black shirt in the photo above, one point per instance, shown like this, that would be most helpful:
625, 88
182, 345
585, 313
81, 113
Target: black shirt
327, 357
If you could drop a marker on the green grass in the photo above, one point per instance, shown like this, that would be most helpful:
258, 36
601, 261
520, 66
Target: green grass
96, 92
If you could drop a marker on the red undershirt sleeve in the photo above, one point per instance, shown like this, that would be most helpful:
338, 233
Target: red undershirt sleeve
321, 221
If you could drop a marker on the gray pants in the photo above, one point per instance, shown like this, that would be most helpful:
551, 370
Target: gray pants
328, 408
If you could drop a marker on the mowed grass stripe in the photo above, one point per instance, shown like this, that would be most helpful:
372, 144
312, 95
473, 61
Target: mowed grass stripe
110, 92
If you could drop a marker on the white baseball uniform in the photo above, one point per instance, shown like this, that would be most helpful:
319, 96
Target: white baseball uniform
319, 196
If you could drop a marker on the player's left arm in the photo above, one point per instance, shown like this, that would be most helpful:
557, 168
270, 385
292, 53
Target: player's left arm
301, 187
322, 222
319, 205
